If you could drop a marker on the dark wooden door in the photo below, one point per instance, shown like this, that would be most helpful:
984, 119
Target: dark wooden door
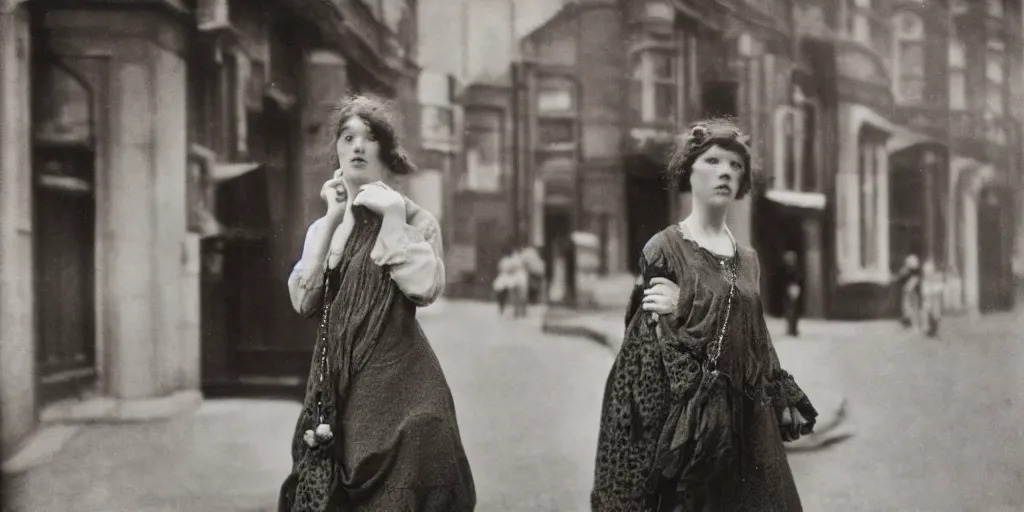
647, 208
907, 186
64, 225
995, 286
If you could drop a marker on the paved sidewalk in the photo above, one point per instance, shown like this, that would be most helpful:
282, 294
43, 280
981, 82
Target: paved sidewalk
834, 423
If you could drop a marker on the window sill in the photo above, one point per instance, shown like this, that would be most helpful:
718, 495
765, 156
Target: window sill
864, 276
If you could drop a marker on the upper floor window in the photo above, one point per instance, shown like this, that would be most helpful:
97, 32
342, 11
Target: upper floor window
656, 78
857, 20
910, 44
483, 151
957, 75
795, 166
996, 8
995, 77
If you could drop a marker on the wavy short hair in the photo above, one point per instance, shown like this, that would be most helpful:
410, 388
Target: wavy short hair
378, 115
702, 136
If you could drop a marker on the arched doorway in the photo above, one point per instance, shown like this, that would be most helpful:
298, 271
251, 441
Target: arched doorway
995, 283
64, 226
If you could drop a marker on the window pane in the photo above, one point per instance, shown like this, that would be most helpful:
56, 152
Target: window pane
995, 8
994, 68
957, 91
911, 59
663, 65
956, 54
994, 99
911, 89
556, 131
665, 101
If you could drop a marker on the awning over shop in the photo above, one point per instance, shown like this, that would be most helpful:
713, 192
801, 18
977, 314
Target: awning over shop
807, 200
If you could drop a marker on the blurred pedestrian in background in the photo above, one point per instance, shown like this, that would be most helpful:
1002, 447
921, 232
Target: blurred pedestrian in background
536, 269
512, 281
793, 284
365, 266
696, 406
908, 279
932, 286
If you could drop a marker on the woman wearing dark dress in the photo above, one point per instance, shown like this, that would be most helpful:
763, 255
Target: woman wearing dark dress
697, 406
378, 429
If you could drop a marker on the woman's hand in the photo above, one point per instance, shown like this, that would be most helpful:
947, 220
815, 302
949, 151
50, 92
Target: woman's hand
333, 193
381, 199
792, 423
661, 298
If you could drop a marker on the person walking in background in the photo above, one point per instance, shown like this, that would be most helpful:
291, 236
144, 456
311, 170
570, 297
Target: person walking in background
697, 406
536, 270
512, 282
931, 298
502, 284
909, 282
366, 265
793, 288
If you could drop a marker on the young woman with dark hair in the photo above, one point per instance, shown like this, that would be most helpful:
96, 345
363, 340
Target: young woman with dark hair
697, 406
378, 429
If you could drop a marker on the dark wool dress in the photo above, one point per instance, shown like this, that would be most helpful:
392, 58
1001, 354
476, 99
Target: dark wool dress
743, 466
396, 444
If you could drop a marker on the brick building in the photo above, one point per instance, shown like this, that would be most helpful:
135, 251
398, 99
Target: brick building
868, 146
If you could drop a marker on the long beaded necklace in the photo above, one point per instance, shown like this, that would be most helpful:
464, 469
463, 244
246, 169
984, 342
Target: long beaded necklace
321, 434
729, 267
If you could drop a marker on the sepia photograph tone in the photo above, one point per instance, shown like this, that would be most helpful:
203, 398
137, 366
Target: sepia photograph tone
512, 255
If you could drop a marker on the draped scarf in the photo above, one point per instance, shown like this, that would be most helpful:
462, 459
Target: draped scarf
358, 295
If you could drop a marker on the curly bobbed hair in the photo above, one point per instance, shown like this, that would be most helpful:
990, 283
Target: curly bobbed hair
378, 115
702, 136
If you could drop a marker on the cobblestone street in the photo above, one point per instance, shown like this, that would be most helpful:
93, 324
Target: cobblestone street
938, 425
940, 422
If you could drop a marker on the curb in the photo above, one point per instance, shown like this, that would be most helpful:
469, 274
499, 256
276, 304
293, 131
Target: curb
825, 434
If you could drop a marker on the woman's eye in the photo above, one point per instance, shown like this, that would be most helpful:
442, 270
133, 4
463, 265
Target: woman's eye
711, 160
348, 138
738, 166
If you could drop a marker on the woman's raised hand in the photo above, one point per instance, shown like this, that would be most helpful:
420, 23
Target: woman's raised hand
333, 193
381, 199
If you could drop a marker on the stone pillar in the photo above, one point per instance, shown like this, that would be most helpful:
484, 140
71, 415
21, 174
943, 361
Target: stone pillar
326, 86
142, 255
17, 327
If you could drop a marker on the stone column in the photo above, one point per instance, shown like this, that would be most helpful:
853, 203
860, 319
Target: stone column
141, 204
17, 328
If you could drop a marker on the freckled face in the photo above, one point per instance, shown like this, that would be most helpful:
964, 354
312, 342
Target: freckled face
716, 175
359, 153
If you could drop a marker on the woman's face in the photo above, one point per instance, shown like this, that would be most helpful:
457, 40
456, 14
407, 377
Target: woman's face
359, 153
715, 177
